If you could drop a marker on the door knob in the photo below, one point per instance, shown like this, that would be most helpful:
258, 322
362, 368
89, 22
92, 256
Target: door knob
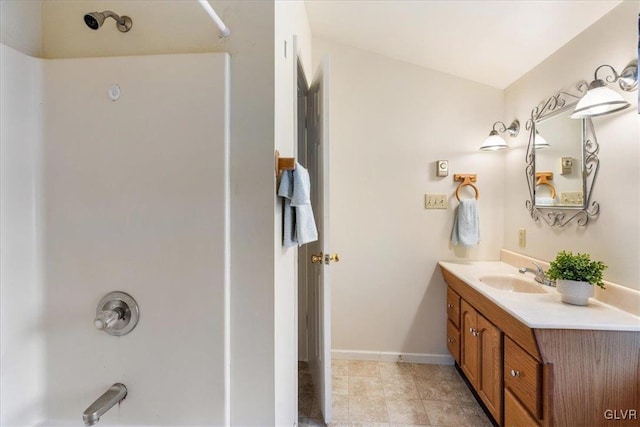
326, 258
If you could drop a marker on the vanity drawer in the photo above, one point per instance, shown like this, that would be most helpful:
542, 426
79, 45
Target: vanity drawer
515, 415
453, 307
523, 376
453, 341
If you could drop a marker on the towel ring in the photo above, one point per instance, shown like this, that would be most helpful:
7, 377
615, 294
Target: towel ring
465, 185
466, 180
542, 178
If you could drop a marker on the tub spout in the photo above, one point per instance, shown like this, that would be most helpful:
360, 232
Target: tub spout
108, 400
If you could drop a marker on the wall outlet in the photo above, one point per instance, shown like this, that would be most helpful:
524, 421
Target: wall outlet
435, 201
522, 237
572, 198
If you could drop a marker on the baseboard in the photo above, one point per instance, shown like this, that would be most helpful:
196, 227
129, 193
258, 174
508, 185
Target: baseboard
384, 356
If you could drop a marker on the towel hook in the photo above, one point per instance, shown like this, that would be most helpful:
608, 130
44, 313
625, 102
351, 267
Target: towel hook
466, 180
543, 178
284, 163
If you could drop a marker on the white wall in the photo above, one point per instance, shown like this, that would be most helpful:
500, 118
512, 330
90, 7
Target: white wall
21, 295
136, 201
290, 20
614, 237
390, 121
20, 25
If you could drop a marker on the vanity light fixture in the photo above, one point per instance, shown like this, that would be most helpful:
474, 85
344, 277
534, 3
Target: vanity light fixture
495, 142
600, 100
540, 142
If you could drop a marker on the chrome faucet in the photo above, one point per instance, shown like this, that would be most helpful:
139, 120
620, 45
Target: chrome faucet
108, 400
540, 275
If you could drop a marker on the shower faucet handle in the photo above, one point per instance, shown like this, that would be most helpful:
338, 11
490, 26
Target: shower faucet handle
117, 314
108, 318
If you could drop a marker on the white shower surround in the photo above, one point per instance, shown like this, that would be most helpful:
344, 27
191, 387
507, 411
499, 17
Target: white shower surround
131, 195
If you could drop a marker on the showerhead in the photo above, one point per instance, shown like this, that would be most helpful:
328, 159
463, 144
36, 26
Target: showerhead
94, 20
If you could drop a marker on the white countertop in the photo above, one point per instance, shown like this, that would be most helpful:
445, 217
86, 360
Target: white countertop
542, 311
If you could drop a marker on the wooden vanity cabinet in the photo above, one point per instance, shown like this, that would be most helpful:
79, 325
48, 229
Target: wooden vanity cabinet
481, 354
544, 377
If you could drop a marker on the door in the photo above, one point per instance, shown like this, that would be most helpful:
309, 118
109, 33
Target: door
319, 284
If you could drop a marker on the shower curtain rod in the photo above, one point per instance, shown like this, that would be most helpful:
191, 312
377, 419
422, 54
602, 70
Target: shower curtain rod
224, 30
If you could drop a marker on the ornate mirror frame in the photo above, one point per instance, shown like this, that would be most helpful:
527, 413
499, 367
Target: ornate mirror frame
559, 216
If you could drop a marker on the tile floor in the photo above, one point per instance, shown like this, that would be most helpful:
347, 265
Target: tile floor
377, 394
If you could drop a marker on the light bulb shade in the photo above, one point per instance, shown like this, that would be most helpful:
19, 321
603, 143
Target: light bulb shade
540, 142
493, 143
599, 101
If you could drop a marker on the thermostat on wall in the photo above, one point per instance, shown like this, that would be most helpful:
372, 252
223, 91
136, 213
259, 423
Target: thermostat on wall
442, 168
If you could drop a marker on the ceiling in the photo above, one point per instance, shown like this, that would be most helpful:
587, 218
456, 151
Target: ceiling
487, 41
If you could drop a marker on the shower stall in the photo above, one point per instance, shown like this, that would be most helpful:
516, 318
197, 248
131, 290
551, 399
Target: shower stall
115, 177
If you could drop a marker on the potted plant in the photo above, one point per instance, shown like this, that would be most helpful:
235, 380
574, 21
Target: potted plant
575, 276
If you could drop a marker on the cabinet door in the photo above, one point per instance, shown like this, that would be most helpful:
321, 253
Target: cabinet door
491, 380
469, 356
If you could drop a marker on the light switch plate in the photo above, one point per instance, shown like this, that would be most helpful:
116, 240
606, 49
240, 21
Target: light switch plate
435, 201
572, 198
442, 168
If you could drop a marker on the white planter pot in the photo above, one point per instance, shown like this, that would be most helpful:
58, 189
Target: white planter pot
574, 292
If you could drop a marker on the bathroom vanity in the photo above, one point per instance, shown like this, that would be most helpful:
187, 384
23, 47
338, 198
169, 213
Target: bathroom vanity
535, 361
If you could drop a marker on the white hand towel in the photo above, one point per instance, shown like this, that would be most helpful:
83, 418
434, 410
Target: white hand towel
299, 224
466, 224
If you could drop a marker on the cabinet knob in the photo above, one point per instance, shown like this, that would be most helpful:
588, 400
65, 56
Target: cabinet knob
515, 373
450, 340
450, 305
474, 332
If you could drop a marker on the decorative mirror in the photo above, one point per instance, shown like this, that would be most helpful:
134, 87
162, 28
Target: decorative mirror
562, 162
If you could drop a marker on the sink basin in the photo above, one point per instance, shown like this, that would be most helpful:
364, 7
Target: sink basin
513, 283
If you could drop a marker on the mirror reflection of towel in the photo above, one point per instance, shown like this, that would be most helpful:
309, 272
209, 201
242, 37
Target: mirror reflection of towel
545, 201
299, 224
466, 224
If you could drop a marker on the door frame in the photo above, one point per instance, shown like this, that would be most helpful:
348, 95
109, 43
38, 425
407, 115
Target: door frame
302, 297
